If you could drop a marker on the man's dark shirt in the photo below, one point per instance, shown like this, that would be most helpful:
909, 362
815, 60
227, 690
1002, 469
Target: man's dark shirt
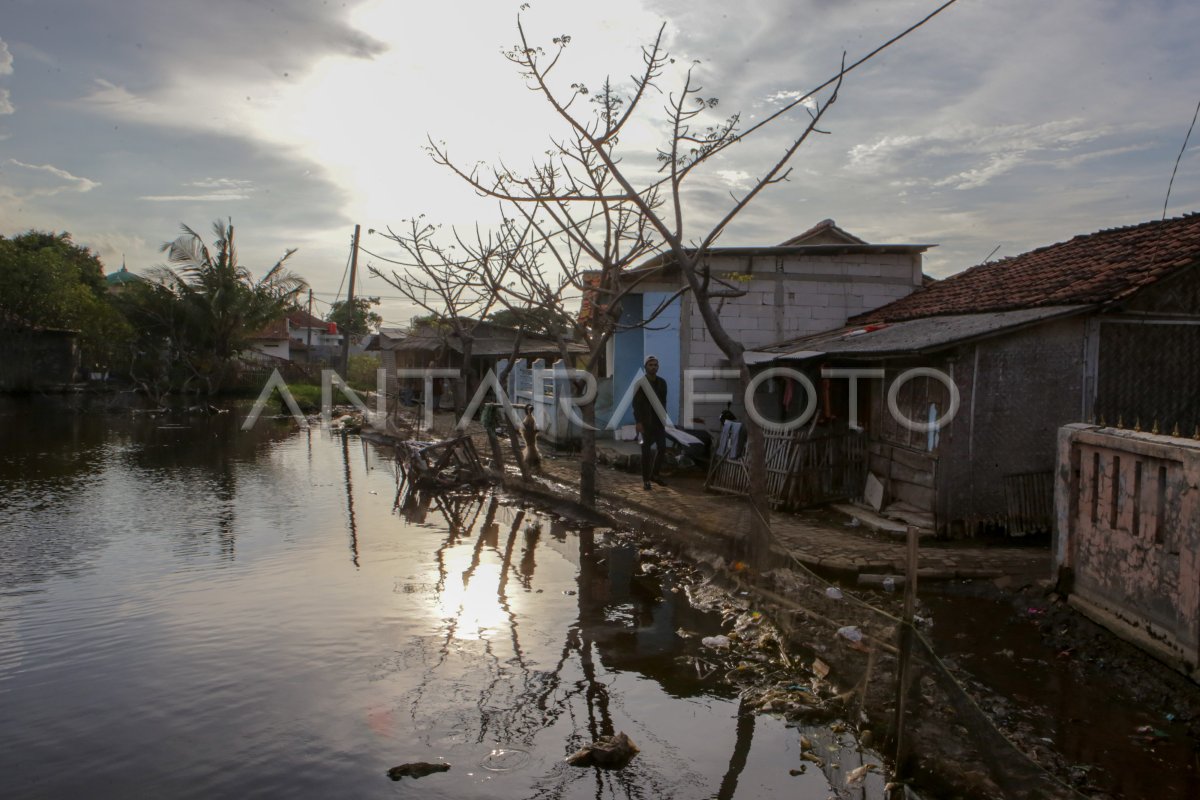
643, 409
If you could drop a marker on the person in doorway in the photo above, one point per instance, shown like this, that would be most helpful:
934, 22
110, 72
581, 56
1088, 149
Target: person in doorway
651, 425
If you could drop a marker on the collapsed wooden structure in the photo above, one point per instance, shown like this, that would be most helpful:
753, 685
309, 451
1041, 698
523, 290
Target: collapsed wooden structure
444, 464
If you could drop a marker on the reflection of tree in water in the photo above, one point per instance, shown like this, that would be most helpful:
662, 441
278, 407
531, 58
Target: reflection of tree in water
625, 622
58, 450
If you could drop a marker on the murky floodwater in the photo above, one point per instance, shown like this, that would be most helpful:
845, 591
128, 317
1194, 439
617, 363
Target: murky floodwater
187, 610
1095, 724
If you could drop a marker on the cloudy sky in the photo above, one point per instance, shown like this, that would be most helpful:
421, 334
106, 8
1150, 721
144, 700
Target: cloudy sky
1001, 124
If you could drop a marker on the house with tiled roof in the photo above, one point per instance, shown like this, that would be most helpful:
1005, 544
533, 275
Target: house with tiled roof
1104, 326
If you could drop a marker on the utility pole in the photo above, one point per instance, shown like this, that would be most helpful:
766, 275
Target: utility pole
350, 305
308, 324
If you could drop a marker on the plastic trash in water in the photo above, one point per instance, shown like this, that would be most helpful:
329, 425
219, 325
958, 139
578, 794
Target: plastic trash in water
833, 593
716, 642
851, 633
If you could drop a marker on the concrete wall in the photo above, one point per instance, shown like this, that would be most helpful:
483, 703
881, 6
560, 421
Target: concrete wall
791, 296
1127, 535
786, 296
276, 348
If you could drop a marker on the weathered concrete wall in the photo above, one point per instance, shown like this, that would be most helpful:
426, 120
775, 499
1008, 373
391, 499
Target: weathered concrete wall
1127, 534
1016, 392
35, 360
791, 296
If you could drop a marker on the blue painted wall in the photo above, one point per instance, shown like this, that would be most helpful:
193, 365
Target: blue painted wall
661, 338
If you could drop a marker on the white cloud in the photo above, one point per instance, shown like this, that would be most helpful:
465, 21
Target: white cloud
215, 197
975, 177
220, 183
221, 190
786, 96
735, 178
945, 121
47, 180
969, 156
6, 59
6, 106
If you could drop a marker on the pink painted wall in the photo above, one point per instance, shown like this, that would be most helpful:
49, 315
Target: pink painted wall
1128, 529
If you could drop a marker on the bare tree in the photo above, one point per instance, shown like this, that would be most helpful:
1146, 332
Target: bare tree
601, 208
578, 260
445, 280
448, 281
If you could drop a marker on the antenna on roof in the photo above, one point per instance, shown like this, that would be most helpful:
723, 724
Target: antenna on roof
989, 255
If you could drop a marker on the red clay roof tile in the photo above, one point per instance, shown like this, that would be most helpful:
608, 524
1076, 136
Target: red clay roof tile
1093, 268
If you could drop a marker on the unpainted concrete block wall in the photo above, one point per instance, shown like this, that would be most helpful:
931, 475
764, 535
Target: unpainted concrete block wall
792, 296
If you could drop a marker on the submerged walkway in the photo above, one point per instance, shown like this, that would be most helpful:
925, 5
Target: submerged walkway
819, 540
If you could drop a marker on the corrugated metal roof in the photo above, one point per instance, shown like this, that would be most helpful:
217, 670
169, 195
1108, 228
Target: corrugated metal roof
907, 337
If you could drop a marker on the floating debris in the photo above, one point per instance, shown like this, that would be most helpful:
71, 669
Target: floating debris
611, 752
417, 769
851, 633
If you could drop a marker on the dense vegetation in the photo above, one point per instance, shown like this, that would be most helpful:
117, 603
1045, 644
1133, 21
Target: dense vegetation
48, 281
183, 330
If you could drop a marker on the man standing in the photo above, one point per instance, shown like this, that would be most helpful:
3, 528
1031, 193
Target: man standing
650, 423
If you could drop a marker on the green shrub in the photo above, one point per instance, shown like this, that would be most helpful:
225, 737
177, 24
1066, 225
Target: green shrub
362, 369
308, 397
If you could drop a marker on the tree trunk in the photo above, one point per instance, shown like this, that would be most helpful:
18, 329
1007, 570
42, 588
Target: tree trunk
514, 438
758, 538
494, 444
587, 457
462, 389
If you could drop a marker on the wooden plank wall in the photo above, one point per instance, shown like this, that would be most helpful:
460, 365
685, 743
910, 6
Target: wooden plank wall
909, 476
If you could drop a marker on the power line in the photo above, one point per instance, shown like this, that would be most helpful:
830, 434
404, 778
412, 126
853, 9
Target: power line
381, 296
1178, 158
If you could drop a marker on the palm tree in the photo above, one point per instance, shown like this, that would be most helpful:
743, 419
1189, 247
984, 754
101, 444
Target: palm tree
222, 303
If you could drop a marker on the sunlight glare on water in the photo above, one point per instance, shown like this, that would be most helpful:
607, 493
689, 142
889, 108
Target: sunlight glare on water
192, 611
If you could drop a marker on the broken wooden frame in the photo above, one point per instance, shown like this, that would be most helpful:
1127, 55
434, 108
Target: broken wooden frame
439, 465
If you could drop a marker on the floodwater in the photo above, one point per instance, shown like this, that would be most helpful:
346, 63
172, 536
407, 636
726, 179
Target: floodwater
1097, 725
189, 610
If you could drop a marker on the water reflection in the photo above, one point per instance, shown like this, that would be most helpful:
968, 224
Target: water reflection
254, 615
624, 621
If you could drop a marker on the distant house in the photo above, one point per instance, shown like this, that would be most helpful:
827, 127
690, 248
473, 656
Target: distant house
273, 341
809, 283
432, 344
1103, 327
312, 339
33, 357
302, 337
